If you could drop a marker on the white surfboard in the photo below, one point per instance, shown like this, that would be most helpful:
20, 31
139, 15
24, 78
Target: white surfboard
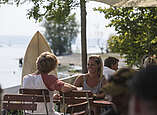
37, 45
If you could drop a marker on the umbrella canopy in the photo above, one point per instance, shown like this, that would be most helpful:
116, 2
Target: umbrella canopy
130, 3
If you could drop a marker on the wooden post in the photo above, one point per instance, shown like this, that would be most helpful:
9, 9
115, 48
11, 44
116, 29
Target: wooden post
83, 36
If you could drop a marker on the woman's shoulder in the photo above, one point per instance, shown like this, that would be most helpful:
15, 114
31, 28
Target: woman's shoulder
79, 80
81, 76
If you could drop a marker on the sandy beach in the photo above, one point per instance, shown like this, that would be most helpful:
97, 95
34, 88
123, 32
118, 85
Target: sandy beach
75, 59
70, 59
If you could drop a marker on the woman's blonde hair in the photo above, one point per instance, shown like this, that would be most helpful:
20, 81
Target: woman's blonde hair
46, 62
99, 61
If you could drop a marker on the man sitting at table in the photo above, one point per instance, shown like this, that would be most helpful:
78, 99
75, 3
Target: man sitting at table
110, 67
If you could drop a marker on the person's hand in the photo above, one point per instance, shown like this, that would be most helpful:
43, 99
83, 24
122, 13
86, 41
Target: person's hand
56, 96
74, 88
79, 88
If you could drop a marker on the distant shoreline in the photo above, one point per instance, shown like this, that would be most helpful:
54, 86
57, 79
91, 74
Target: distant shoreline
75, 58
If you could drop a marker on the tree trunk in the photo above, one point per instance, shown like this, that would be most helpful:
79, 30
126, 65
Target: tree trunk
83, 36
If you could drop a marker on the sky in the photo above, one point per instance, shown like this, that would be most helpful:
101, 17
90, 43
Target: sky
13, 21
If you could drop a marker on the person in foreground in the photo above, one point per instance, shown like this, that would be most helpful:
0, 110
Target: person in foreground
116, 90
110, 66
143, 100
94, 79
45, 63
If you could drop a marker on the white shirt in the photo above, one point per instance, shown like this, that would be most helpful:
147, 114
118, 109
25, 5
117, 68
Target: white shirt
36, 82
108, 72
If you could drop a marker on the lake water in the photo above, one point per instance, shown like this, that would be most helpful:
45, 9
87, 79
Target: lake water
11, 49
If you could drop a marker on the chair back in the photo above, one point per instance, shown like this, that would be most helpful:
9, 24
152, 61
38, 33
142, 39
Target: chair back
34, 91
42, 94
76, 97
19, 102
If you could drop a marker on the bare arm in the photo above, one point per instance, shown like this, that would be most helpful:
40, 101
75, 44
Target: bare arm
79, 81
68, 87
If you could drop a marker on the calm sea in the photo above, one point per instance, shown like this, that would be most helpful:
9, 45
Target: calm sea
11, 49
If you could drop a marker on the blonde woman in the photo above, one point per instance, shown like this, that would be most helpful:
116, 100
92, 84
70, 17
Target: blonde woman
94, 79
45, 63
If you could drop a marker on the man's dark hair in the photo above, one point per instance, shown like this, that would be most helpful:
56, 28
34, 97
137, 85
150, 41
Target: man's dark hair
144, 83
110, 61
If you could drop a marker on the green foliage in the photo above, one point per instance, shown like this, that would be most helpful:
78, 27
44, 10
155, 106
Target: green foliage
61, 35
136, 32
57, 10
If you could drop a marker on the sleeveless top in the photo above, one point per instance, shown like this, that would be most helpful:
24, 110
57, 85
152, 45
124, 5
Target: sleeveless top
95, 89
36, 82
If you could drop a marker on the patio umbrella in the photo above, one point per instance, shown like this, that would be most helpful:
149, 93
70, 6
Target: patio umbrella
130, 3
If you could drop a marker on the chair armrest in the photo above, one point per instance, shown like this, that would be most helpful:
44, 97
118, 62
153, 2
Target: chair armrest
102, 103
